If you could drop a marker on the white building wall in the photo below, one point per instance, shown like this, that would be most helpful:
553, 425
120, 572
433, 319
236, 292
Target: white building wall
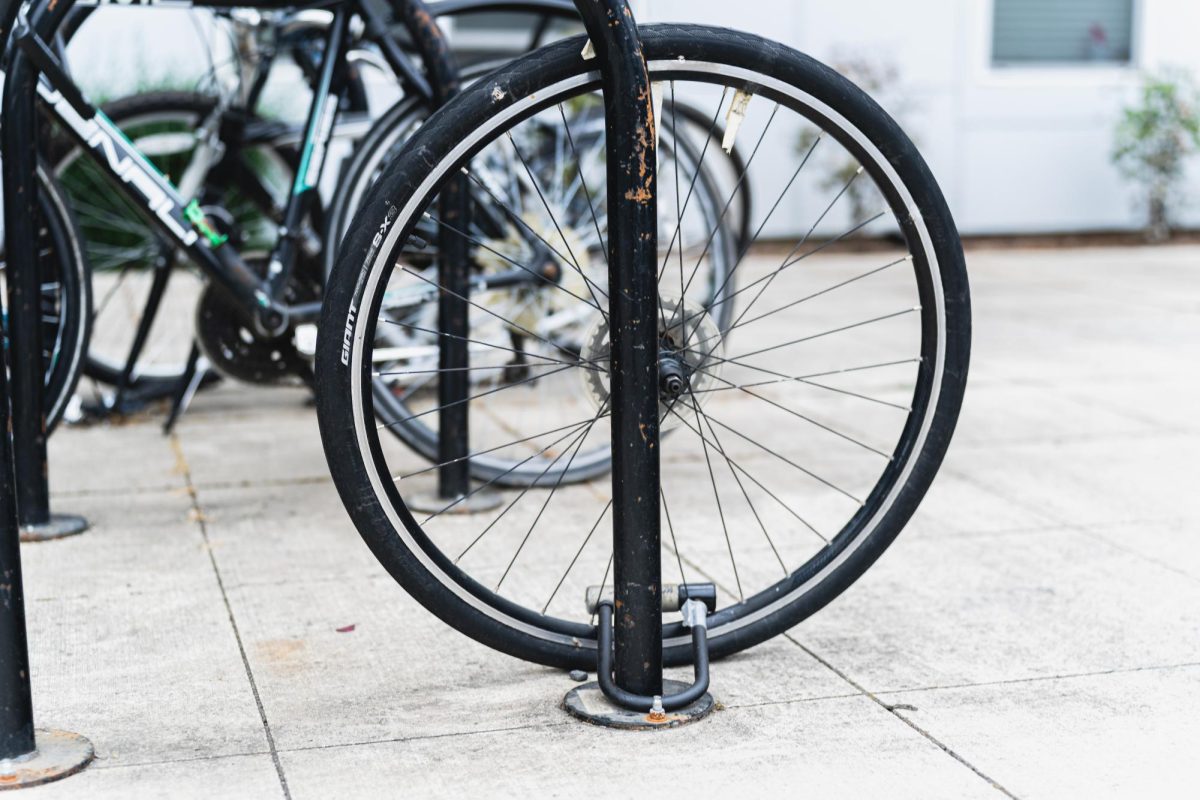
1015, 149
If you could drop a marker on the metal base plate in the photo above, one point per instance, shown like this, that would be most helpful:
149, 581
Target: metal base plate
60, 526
434, 503
58, 754
588, 703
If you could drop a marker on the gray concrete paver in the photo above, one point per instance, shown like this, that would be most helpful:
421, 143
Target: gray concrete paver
1036, 614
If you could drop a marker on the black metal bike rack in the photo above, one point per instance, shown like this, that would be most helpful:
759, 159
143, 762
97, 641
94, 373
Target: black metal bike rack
27, 757
24, 308
453, 491
636, 694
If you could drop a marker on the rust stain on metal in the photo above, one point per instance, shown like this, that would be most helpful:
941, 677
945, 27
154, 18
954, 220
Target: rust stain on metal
643, 193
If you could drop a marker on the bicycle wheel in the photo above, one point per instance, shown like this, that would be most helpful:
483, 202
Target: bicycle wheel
66, 301
810, 428
124, 248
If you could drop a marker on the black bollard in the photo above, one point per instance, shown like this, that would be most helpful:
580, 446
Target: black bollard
27, 758
24, 309
633, 326
453, 493
633, 696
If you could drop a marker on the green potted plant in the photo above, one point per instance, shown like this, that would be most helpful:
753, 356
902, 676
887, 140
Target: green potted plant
1154, 138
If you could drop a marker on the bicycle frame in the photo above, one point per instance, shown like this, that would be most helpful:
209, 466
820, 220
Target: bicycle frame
180, 220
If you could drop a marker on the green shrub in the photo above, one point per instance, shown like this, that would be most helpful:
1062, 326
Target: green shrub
1154, 138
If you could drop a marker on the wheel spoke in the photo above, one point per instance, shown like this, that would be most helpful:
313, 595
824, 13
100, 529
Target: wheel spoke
517, 264
724, 211
502, 475
762, 526
488, 311
662, 496
603, 244
553, 219
711, 419
549, 497
468, 399
806, 382
802, 339
517, 499
803, 378
573, 426
807, 419
785, 265
578, 553
585, 364
721, 514
741, 323
752, 479
517, 218
692, 186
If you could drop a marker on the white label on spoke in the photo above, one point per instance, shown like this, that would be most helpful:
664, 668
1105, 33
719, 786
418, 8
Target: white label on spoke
657, 94
735, 118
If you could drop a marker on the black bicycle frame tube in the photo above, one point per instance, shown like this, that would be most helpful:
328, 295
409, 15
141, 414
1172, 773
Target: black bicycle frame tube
633, 333
181, 221
318, 133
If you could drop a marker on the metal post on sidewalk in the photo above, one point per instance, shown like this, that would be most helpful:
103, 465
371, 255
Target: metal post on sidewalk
24, 309
27, 757
453, 492
634, 695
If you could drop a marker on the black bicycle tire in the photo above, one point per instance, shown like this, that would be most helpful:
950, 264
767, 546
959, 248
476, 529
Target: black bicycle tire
437, 138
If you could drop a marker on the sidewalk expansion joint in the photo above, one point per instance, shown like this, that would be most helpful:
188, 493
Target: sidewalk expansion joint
894, 711
185, 471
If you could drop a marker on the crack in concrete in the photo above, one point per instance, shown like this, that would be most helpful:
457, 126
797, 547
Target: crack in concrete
185, 471
1039, 678
894, 711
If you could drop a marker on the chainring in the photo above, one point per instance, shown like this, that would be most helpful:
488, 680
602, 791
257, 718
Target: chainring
235, 350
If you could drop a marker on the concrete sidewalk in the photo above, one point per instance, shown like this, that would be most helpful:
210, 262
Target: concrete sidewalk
1035, 633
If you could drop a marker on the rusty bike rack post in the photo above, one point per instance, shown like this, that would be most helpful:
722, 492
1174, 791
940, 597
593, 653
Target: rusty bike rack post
27, 757
24, 303
633, 694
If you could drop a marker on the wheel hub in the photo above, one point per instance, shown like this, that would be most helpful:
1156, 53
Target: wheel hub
689, 362
672, 377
